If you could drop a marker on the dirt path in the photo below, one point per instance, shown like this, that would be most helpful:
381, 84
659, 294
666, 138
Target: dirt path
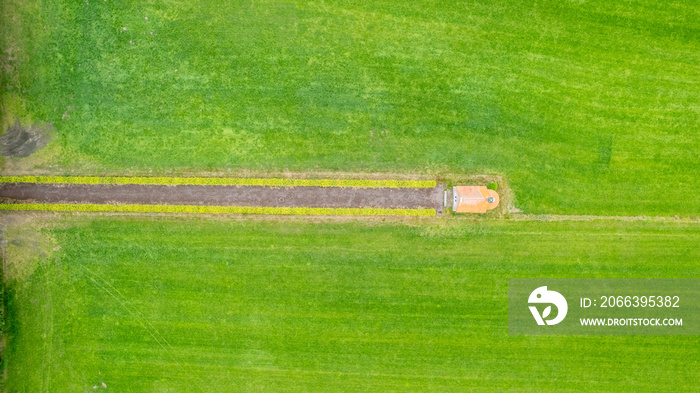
335, 197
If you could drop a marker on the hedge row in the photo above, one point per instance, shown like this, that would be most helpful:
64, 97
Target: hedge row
216, 209
220, 181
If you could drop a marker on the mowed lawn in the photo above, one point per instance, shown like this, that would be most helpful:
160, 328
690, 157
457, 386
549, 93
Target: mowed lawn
587, 107
266, 305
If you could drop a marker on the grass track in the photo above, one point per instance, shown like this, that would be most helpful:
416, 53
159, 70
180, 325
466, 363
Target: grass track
220, 181
229, 305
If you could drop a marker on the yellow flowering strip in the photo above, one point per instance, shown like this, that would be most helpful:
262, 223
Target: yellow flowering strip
220, 181
299, 211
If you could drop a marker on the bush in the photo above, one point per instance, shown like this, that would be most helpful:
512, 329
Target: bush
492, 186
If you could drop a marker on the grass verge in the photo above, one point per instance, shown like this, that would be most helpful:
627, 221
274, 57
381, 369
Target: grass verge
220, 181
297, 211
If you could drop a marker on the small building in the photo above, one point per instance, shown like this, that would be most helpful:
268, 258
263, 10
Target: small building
473, 199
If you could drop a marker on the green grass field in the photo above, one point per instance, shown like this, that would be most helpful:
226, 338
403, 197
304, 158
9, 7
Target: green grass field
286, 305
587, 107
583, 107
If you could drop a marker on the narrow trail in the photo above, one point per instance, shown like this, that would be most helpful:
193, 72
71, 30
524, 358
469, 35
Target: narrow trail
564, 217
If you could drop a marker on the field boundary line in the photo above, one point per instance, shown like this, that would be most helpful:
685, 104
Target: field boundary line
574, 217
221, 181
298, 211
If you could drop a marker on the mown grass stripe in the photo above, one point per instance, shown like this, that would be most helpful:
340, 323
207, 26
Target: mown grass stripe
220, 181
299, 211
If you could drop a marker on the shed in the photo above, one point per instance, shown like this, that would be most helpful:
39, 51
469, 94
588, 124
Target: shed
474, 199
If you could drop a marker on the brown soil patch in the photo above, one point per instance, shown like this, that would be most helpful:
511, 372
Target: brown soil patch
21, 141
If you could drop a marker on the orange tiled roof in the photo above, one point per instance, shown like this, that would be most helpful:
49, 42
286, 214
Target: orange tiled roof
474, 199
